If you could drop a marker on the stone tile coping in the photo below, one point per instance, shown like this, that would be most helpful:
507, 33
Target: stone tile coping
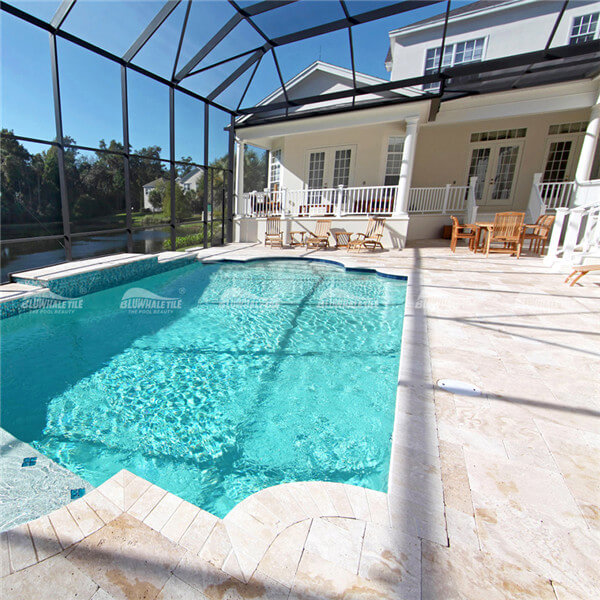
29, 491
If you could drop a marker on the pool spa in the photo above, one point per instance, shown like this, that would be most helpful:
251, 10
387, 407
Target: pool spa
213, 381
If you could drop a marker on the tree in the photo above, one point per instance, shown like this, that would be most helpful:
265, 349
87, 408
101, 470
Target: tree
255, 170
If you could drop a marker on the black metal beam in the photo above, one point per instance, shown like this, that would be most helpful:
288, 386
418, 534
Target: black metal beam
125, 117
235, 75
181, 36
173, 178
205, 178
476, 68
16, 12
60, 151
248, 85
351, 44
228, 235
150, 30
220, 62
61, 13
210, 45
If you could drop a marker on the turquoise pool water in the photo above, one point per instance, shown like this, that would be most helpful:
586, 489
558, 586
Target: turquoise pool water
214, 381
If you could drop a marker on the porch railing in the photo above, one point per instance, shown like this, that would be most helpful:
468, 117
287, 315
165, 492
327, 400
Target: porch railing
576, 232
367, 200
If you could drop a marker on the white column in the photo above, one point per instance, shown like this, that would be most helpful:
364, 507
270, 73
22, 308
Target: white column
408, 158
586, 158
239, 177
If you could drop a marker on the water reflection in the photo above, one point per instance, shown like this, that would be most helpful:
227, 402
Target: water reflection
31, 255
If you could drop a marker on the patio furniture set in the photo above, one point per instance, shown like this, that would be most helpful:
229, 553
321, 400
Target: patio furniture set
369, 240
507, 229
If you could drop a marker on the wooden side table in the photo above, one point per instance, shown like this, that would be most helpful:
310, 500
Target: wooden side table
342, 238
297, 242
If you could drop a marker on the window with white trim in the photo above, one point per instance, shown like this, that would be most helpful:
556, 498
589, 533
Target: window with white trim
454, 54
341, 167
584, 29
275, 170
393, 162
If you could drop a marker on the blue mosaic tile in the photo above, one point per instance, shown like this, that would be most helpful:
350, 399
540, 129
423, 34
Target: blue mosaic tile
29, 461
77, 493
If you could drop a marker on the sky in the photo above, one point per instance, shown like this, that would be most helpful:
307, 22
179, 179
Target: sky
90, 85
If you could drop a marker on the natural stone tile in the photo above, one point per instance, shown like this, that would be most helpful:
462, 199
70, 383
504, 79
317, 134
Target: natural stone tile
462, 530
113, 490
208, 579
283, 555
302, 496
479, 577
358, 501
217, 546
56, 576
339, 498
101, 595
146, 502
102, 506
4, 557
84, 516
133, 488
231, 566
176, 589
378, 507
44, 538
392, 560
322, 500
128, 559
163, 511
66, 528
336, 544
197, 533
179, 522
457, 493
21, 549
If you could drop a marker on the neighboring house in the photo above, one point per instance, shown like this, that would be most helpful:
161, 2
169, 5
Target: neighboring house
510, 139
191, 181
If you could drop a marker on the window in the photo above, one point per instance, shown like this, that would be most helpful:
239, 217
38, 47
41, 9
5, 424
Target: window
557, 161
275, 170
316, 169
454, 54
578, 127
584, 28
501, 134
393, 162
341, 167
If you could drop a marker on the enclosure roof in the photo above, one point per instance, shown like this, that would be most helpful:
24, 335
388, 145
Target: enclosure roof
231, 53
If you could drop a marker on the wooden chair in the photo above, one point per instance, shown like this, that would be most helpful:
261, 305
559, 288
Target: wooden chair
507, 230
458, 232
580, 271
274, 235
540, 232
320, 238
371, 239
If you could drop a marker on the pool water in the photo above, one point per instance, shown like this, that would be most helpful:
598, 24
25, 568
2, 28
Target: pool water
214, 381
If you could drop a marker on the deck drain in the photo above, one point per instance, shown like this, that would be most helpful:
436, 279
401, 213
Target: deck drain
462, 388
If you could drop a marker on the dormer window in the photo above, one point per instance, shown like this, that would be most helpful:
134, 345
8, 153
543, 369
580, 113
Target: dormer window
454, 54
585, 28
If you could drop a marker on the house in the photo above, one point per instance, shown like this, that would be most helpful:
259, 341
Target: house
475, 142
189, 182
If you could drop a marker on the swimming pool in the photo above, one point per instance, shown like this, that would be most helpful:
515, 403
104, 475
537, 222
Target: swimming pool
213, 381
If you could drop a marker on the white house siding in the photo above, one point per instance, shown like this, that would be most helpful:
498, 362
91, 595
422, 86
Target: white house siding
519, 28
369, 147
443, 151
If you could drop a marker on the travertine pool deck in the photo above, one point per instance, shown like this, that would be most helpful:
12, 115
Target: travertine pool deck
490, 497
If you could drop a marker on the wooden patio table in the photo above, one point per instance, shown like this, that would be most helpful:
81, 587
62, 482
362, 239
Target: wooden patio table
294, 241
480, 226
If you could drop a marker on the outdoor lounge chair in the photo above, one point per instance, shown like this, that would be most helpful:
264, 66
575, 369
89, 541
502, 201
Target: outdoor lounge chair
371, 239
539, 234
321, 235
508, 231
580, 271
273, 234
459, 232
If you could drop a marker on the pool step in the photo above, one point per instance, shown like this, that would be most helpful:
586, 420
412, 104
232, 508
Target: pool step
10, 291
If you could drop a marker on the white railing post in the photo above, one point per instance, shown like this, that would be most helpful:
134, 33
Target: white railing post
446, 197
471, 216
338, 201
536, 207
572, 233
555, 236
284, 202
239, 176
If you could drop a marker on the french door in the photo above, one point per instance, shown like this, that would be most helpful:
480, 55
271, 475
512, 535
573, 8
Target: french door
496, 166
329, 167
560, 158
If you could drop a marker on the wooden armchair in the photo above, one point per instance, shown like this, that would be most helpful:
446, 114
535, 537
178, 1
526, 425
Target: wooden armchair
371, 239
539, 234
507, 230
273, 234
320, 238
460, 232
